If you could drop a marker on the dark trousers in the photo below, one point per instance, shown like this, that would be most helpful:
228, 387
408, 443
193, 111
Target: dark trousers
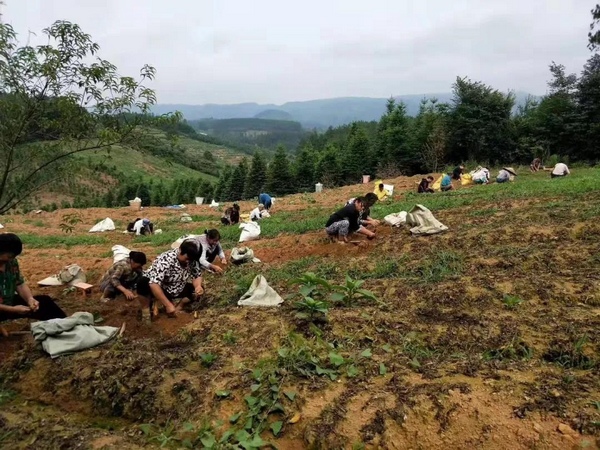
47, 310
143, 288
553, 175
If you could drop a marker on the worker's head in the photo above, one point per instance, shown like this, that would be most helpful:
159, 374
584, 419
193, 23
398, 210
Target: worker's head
212, 236
462, 167
381, 186
261, 207
370, 199
188, 252
359, 203
10, 247
137, 259
429, 178
236, 206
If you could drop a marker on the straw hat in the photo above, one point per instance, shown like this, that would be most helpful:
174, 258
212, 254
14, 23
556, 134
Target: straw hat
510, 170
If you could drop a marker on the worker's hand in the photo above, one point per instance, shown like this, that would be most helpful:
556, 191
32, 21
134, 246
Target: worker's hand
170, 310
200, 290
34, 305
21, 309
129, 295
217, 269
224, 261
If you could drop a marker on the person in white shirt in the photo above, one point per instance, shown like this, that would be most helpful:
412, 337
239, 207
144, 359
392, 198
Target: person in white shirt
141, 226
257, 213
209, 247
560, 170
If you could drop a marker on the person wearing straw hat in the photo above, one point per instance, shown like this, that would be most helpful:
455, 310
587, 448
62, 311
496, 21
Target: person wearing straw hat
16, 299
505, 175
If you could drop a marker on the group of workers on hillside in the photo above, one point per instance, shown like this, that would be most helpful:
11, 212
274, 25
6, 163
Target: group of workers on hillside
174, 278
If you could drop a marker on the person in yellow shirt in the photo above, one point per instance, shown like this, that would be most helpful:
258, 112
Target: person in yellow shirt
380, 192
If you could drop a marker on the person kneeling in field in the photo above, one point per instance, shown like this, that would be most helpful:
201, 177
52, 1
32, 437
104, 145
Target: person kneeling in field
141, 227
172, 275
16, 299
209, 247
122, 277
257, 213
560, 170
347, 220
446, 184
424, 185
231, 215
365, 218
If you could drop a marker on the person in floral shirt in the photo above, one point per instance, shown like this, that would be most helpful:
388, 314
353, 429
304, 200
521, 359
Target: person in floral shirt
173, 274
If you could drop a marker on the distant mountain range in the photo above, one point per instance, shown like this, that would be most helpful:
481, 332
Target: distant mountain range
312, 113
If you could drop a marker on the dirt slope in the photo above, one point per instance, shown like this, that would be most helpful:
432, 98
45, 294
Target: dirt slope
482, 337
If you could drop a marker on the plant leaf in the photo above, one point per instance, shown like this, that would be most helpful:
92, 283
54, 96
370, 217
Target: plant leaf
223, 394
255, 387
352, 371
336, 359
233, 419
208, 440
387, 348
366, 353
276, 427
290, 394
251, 400
337, 297
382, 369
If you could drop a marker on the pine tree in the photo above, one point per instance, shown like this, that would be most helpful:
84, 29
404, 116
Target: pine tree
304, 168
256, 178
235, 190
327, 170
109, 199
357, 157
220, 192
144, 194
279, 179
157, 196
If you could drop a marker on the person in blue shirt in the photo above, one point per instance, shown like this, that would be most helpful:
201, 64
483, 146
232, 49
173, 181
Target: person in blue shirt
446, 184
265, 200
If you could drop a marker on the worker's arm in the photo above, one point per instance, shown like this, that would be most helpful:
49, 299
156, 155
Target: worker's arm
197, 283
25, 293
159, 294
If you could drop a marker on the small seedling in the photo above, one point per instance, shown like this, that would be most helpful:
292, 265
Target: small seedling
310, 309
511, 301
207, 359
350, 292
229, 337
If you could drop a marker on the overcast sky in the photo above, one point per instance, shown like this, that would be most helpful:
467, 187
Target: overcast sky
233, 51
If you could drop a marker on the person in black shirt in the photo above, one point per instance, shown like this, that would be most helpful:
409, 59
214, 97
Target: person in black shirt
231, 215
346, 221
365, 216
457, 172
424, 185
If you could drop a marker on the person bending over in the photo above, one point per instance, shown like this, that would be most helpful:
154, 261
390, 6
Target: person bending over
122, 277
266, 201
16, 299
172, 275
209, 246
141, 227
458, 172
346, 221
424, 185
446, 184
560, 170
365, 215
231, 216
257, 213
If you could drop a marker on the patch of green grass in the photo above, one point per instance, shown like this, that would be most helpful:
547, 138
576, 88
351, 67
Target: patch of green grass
34, 241
483, 212
439, 266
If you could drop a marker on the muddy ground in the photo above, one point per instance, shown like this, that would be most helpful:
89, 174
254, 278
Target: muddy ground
482, 337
